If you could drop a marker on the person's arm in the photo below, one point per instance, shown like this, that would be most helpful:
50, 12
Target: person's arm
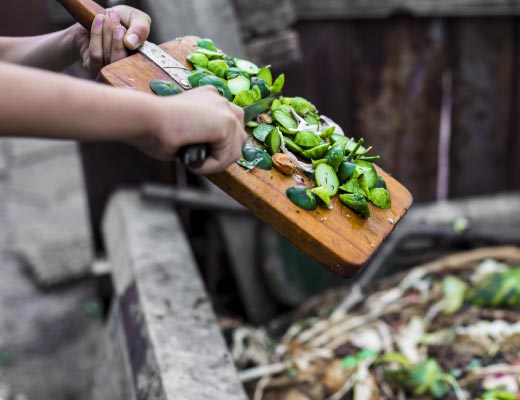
106, 43
43, 104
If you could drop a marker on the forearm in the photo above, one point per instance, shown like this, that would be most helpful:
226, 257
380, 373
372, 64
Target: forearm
42, 104
54, 51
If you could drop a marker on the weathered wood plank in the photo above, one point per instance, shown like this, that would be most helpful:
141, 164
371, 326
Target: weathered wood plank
279, 48
262, 17
398, 98
379, 80
514, 148
175, 347
215, 19
482, 55
334, 9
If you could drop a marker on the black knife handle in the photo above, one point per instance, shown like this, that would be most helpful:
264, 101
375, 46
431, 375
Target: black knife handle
194, 155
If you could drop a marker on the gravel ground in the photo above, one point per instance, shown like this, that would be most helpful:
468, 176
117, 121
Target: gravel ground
47, 339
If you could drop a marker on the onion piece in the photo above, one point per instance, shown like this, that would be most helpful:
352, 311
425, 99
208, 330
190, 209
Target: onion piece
300, 165
330, 122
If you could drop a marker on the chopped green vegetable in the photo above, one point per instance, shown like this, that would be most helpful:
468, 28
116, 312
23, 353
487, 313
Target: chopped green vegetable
278, 84
218, 67
261, 131
164, 88
247, 66
316, 152
380, 198
239, 84
246, 98
207, 44
284, 118
322, 193
273, 141
302, 197
262, 85
218, 83
357, 202
325, 176
198, 59
265, 75
307, 139
252, 152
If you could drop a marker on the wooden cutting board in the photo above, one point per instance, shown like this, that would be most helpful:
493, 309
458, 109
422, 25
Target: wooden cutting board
338, 238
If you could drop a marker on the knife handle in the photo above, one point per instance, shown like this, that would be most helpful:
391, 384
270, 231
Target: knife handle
194, 155
83, 11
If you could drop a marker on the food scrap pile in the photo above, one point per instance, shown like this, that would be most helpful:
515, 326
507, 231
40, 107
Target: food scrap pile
291, 135
447, 329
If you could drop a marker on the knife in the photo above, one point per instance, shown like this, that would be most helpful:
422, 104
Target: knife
194, 155
84, 11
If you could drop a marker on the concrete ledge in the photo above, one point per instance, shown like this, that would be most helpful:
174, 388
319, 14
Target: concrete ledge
175, 347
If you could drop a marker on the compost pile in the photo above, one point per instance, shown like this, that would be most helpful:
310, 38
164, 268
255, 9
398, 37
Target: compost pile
447, 329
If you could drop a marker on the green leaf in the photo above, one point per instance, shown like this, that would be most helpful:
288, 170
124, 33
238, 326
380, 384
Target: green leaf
427, 377
454, 291
394, 357
498, 395
501, 290
350, 362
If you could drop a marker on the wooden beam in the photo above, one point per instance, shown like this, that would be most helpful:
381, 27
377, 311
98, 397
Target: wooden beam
336, 9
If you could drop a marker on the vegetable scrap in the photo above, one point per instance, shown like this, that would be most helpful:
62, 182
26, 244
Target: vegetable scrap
447, 329
313, 145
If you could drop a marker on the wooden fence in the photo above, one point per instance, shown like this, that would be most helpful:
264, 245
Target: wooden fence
393, 80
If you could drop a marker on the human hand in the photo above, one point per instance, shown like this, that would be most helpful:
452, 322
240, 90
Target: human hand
109, 40
199, 115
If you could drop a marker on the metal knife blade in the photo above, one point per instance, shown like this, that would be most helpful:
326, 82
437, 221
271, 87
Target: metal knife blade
177, 71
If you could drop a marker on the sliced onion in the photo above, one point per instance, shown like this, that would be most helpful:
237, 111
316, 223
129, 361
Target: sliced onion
330, 122
300, 165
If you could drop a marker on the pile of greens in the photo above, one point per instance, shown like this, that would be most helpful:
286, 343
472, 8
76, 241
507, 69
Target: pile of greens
448, 329
291, 136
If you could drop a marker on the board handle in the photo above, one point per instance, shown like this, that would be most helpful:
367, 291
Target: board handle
83, 11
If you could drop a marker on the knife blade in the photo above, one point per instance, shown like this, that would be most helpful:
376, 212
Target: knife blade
177, 71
